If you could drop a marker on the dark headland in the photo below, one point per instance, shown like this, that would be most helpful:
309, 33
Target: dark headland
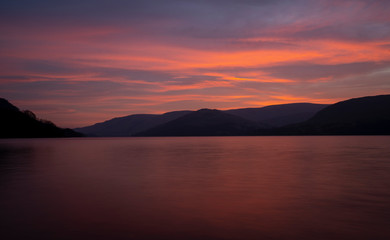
24, 124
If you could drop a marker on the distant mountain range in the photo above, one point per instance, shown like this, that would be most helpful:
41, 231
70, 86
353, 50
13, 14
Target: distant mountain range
204, 122
207, 122
129, 125
24, 124
279, 115
358, 116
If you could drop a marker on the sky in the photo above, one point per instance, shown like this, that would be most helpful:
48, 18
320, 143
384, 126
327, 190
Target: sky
80, 62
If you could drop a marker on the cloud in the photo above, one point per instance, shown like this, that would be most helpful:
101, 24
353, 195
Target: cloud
208, 19
98, 59
323, 72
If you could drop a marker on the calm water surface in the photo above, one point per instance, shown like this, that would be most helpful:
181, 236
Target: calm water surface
196, 188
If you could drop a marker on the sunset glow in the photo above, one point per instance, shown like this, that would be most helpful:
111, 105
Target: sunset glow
81, 62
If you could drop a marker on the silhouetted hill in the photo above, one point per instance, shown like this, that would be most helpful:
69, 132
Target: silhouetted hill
267, 117
357, 116
6, 106
129, 125
279, 115
17, 124
204, 122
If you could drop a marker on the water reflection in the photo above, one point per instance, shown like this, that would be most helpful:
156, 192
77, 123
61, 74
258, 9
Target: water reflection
196, 188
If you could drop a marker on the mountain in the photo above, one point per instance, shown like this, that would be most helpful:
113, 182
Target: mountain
17, 124
357, 116
129, 125
6, 106
204, 122
279, 115
266, 117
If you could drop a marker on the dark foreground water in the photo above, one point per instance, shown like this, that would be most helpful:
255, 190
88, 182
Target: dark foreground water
196, 188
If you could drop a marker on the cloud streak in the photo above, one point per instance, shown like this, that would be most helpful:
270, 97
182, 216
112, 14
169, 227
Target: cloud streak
79, 62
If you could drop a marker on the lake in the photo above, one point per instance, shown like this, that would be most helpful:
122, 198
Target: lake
279, 188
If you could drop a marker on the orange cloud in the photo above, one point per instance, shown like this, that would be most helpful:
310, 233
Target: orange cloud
210, 71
